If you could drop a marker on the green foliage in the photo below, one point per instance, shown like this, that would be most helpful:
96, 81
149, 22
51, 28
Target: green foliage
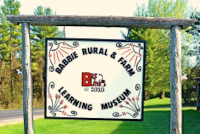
10, 48
38, 35
11, 89
166, 8
10, 34
194, 30
189, 86
157, 75
192, 71
157, 58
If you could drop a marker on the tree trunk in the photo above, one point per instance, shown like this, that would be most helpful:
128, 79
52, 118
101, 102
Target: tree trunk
162, 94
146, 94
42, 81
11, 78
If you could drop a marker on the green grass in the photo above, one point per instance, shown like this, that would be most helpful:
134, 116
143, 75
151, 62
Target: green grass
157, 102
156, 121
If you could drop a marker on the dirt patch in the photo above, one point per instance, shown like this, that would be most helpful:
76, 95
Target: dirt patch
17, 120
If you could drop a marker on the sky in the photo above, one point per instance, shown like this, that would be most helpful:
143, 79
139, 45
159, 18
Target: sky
90, 8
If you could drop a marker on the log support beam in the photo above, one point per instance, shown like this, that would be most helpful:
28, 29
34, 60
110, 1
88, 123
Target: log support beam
101, 21
27, 80
175, 81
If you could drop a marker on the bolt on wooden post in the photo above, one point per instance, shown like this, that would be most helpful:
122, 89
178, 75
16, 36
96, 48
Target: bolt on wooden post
27, 80
175, 81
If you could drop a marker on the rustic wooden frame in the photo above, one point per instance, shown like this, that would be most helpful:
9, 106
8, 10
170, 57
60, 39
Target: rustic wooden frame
174, 24
101, 21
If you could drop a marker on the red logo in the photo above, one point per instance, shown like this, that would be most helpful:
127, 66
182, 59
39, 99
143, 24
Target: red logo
89, 79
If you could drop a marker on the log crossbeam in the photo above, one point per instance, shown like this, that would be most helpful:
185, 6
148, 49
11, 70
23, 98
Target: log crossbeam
101, 21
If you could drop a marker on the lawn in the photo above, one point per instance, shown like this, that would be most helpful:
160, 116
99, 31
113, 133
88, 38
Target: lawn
156, 121
157, 102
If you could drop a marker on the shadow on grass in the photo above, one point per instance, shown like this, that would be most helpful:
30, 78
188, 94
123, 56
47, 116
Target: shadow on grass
158, 122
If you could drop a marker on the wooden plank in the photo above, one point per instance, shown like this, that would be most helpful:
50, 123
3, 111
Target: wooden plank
27, 80
101, 21
175, 81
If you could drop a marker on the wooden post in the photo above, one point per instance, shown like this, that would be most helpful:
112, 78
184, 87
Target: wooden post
197, 103
27, 80
175, 81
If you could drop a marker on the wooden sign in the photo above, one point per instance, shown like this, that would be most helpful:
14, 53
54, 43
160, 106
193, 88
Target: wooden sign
94, 79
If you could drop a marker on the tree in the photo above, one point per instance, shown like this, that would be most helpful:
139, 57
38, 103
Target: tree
38, 35
189, 87
10, 46
194, 30
157, 75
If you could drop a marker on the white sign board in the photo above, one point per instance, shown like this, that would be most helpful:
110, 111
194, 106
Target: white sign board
94, 79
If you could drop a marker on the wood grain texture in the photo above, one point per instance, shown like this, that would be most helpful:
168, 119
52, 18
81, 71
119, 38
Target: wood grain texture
175, 81
27, 80
101, 21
